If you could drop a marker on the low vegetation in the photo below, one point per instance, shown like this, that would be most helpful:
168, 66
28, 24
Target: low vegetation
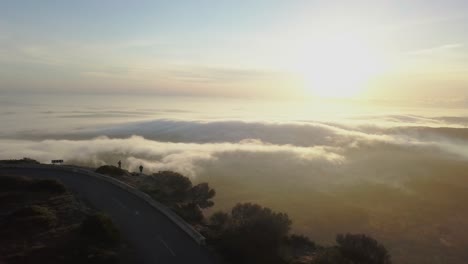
19, 161
170, 188
250, 233
11, 184
254, 234
111, 171
41, 222
177, 192
98, 229
354, 248
30, 219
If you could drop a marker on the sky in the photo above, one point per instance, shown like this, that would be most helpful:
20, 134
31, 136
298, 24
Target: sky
254, 49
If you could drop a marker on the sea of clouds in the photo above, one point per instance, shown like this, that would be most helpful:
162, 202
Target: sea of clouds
401, 178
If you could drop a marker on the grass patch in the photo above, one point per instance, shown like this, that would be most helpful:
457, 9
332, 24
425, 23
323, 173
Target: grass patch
30, 220
99, 229
16, 183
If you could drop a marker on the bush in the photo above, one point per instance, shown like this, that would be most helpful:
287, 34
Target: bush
219, 220
47, 185
176, 191
189, 212
354, 248
201, 194
362, 249
31, 219
20, 161
300, 245
12, 183
110, 171
168, 187
99, 229
251, 233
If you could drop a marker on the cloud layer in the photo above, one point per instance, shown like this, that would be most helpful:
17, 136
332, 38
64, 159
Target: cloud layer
401, 180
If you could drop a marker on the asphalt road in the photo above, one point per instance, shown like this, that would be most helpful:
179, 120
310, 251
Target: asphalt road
156, 238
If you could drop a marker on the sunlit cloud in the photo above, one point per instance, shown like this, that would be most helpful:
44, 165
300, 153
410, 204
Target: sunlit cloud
437, 49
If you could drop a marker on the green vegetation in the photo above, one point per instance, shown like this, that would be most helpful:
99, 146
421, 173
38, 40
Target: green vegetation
98, 229
33, 209
249, 233
31, 218
298, 249
254, 234
354, 248
177, 192
10, 184
41, 222
20, 161
47, 185
111, 171
170, 188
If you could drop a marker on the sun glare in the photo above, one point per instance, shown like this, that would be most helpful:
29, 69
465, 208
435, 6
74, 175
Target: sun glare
339, 67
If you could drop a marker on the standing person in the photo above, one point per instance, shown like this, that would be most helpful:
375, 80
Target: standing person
120, 164
141, 169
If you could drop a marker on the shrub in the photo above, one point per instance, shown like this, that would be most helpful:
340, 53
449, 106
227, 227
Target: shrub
168, 187
298, 249
251, 233
301, 241
201, 194
47, 185
20, 161
10, 183
176, 191
219, 220
31, 219
99, 229
354, 248
362, 249
110, 171
189, 212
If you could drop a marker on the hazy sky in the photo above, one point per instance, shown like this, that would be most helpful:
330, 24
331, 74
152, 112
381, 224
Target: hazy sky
236, 48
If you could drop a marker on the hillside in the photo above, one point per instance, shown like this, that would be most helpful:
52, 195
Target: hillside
42, 222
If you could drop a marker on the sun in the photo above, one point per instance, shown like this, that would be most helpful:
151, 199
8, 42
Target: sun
338, 67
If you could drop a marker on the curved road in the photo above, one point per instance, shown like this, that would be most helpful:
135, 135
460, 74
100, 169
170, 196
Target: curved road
155, 237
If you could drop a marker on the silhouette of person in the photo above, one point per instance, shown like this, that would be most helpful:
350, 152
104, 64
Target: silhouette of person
141, 168
120, 164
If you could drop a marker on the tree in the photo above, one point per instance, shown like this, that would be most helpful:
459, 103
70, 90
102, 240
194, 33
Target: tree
201, 194
360, 248
251, 234
219, 220
168, 187
352, 249
176, 191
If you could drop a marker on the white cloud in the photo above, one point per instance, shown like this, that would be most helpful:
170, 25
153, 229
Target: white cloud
181, 157
394, 182
437, 49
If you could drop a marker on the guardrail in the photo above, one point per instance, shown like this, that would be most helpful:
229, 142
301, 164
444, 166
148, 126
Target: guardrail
188, 229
